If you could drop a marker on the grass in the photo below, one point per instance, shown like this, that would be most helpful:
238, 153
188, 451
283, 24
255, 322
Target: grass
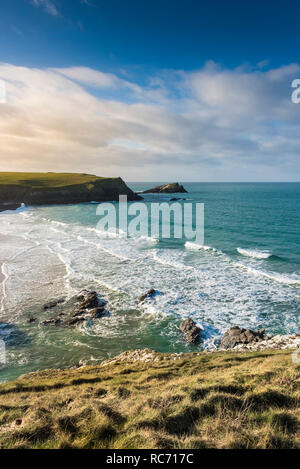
46, 180
219, 400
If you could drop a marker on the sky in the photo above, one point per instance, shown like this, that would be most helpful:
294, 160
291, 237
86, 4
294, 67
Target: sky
184, 90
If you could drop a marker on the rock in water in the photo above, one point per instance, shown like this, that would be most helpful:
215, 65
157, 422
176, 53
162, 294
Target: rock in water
173, 188
53, 321
74, 320
88, 305
97, 312
31, 319
190, 330
237, 335
148, 295
53, 303
88, 299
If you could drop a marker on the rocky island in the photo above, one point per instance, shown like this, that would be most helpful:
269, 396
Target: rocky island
59, 188
173, 188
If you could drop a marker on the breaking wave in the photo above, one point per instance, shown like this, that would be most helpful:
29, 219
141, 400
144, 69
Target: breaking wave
254, 253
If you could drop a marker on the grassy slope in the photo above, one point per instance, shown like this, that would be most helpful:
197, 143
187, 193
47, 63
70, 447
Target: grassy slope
220, 400
46, 180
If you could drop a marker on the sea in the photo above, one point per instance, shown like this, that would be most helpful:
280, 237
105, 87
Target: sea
246, 273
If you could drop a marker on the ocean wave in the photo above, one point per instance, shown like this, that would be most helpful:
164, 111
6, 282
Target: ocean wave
107, 234
20, 209
210, 282
255, 253
102, 248
65, 260
198, 247
167, 258
4, 281
145, 240
286, 279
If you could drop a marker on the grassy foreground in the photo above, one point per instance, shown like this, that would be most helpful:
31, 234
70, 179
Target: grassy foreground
218, 400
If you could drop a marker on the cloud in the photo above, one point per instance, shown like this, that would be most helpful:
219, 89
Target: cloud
88, 76
47, 5
212, 124
17, 30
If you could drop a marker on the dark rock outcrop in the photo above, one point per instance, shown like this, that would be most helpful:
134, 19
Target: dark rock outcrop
31, 319
88, 305
173, 188
190, 330
87, 299
237, 335
9, 206
73, 321
53, 304
148, 295
52, 321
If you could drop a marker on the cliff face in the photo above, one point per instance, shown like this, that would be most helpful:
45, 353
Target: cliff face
173, 188
102, 189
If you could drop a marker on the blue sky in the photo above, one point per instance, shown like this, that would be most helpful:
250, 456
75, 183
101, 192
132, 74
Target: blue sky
148, 34
199, 89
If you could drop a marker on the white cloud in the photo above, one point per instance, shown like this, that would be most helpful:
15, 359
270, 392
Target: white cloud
47, 5
88, 76
213, 124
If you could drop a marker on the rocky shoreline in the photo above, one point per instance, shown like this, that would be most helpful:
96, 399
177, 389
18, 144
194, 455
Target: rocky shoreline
86, 305
146, 355
90, 305
9, 206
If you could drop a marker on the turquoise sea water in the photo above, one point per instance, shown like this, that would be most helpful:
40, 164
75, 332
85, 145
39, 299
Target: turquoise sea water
247, 274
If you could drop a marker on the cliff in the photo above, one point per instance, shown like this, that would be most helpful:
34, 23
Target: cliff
59, 188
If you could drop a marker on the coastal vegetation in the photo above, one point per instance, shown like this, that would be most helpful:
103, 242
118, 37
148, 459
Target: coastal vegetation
149, 400
49, 180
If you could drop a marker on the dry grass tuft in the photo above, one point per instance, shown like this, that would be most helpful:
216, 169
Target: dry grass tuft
219, 400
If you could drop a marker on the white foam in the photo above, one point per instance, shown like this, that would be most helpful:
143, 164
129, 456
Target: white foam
254, 253
5, 273
198, 247
5, 278
102, 248
167, 258
145, 240
286, 279
211, 286
62, 255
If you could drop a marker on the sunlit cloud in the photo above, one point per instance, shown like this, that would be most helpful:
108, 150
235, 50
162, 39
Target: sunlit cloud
211, 124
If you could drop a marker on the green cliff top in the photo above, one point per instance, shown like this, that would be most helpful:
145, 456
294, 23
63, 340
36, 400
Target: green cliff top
47, 180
